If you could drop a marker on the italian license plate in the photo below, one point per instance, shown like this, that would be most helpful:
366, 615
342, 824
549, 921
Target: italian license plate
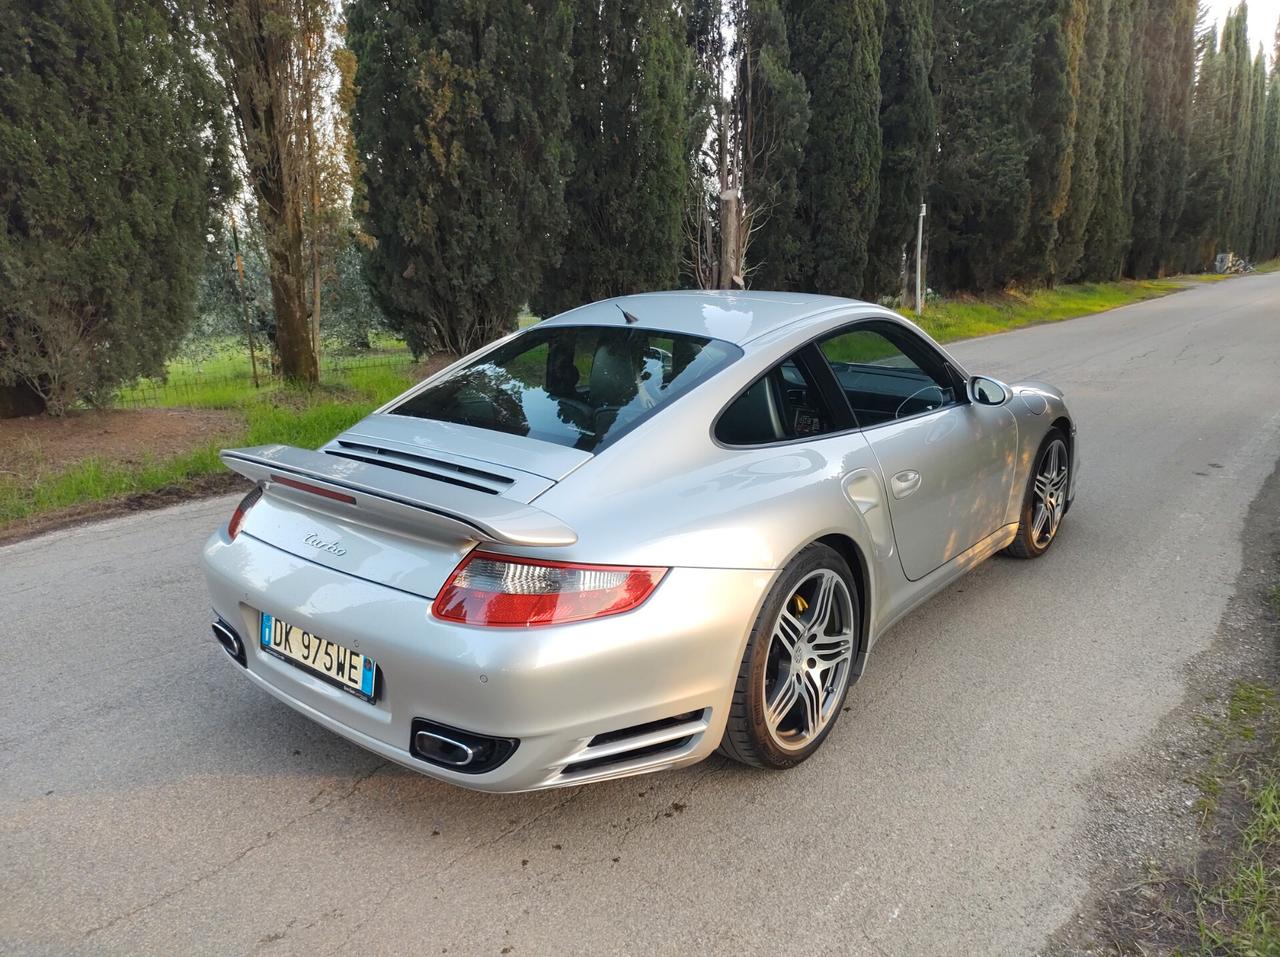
349, 670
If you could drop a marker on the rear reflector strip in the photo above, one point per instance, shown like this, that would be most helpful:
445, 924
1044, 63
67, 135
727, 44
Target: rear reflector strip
315, 489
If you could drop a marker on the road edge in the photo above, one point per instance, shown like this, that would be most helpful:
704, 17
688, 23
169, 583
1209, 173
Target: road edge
1143, 808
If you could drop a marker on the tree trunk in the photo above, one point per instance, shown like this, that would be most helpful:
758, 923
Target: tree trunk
298, 362
729, 273
257, 53
313, 177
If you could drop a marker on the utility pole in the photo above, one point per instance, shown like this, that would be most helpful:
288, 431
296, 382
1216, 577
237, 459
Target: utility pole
244, 306
919, 255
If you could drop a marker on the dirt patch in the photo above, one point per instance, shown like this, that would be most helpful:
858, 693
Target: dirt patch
1151, 834
431, 365
299, 399
38, 446
205, 486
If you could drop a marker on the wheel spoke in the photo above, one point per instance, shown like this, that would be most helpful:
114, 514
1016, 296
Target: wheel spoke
824, 605
1037, 526
784, 700
811, 693
788, 631
833, 649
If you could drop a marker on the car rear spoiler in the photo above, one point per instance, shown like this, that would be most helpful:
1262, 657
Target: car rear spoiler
369, 492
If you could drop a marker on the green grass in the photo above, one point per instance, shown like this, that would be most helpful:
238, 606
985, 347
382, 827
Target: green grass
268, 415
221, 375
357, 382
1237, 909
1240, 914
966, 317
94, 480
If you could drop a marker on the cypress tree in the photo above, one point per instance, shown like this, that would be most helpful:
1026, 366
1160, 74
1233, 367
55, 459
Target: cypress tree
776, 123
460, 116
1267, 236
1083, 191
1236, 126
835, 46
907, 135
1134, 106
1181, 92
979, 203
629, 119
1167, 51
111, 146
1255, 166
1107, 233
1207, 161
1055, 91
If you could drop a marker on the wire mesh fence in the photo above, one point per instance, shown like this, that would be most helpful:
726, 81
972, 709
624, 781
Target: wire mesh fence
221, 375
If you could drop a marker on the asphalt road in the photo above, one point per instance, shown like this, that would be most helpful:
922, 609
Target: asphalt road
152, 802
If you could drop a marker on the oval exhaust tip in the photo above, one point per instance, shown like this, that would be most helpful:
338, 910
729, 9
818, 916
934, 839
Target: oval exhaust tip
445, 750
225, 635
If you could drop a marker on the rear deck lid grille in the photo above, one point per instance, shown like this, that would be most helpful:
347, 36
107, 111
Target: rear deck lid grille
426, 466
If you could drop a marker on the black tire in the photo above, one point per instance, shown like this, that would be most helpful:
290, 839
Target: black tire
747, 737
1026, 544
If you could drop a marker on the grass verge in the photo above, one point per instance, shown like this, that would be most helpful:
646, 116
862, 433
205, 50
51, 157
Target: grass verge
965, 317
270, 415
353, 388
1228, 902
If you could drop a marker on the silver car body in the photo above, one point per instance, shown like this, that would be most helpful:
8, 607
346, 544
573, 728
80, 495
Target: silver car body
913, 503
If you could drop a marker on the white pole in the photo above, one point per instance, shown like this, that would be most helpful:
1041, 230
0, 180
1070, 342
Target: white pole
919, 253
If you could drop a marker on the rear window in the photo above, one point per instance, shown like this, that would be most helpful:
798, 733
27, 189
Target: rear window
580, 386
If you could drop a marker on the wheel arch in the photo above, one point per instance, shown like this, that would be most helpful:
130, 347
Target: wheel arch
851, 552
1064, 423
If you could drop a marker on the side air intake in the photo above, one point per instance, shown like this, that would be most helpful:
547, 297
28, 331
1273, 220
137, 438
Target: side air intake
639, 744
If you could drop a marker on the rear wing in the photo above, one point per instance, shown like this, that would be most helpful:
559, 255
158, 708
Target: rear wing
371, 492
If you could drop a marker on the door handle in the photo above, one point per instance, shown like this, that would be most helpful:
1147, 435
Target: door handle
904, 483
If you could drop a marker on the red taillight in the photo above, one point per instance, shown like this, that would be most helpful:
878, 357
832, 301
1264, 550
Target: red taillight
237, 517
508, 592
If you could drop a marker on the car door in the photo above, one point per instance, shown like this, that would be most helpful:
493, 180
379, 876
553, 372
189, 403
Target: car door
948, 464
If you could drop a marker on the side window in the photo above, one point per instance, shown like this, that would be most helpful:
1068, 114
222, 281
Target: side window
784, 403
886, 375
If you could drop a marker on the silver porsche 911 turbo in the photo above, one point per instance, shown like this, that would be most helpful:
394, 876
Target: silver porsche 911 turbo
630, 535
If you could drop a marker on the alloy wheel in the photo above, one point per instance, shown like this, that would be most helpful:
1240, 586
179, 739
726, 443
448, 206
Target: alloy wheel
810, 654
1050, 494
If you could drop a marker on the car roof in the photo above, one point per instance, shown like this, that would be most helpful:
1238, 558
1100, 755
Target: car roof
732, 316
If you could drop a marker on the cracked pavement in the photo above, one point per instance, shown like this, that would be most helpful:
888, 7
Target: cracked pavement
153, 802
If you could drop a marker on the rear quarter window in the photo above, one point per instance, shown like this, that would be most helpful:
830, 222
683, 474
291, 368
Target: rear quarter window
580, 386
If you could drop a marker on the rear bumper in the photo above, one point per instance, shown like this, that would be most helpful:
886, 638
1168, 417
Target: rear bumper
553, 688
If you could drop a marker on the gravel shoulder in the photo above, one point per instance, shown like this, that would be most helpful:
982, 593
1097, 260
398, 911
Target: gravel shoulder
1146, 818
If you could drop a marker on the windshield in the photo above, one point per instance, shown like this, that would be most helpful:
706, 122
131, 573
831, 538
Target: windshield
580, 386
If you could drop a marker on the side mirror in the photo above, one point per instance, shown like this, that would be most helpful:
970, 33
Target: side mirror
984, 390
